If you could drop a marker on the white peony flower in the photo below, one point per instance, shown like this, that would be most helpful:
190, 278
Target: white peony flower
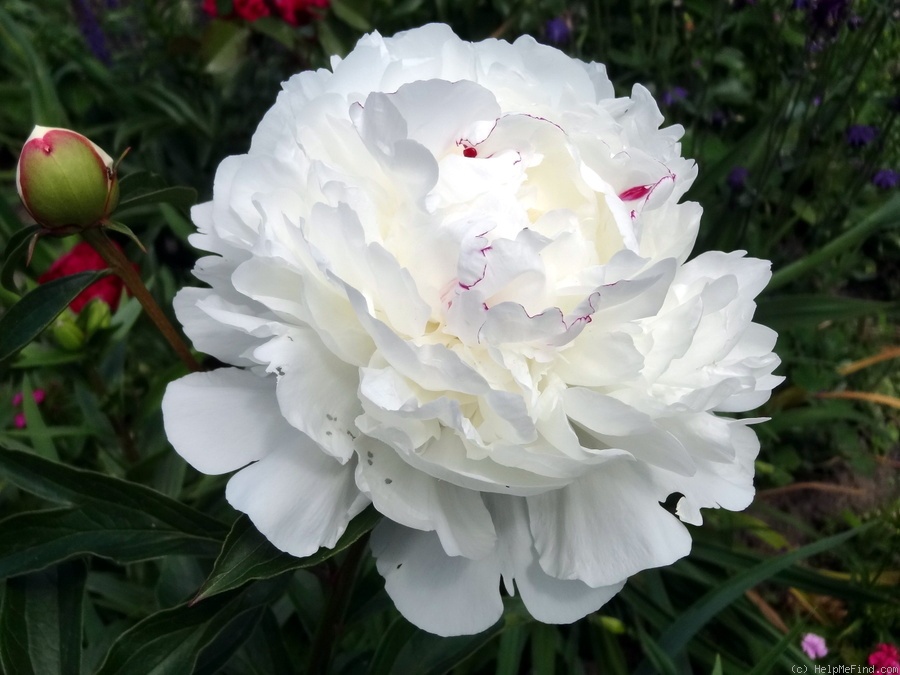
452, 280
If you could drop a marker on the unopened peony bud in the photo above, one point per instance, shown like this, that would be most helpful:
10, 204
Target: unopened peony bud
95, 316
67, 333
64, 179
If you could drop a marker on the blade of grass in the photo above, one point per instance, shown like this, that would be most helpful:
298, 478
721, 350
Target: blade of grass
888, 214
689, 623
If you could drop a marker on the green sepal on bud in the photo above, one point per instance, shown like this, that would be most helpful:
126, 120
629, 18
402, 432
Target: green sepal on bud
65, 180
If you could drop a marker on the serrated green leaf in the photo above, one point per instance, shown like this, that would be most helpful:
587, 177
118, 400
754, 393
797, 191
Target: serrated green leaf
247, 555
35, 311
174, 640
41, 620
16, 249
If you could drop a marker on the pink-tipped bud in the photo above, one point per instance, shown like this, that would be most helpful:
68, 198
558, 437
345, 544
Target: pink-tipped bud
64, 179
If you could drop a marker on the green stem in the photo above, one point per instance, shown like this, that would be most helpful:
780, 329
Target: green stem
126, 272
332, 620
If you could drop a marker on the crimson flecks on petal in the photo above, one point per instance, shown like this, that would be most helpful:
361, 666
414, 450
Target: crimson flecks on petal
512, 359
637, 192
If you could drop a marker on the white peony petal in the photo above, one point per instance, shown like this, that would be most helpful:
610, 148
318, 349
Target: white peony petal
225, 419
226, 343
417, 500
299, 498
547, 598
605, 527
316, 392
441, 594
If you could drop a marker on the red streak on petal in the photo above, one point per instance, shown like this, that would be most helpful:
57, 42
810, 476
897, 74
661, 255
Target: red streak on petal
470, 152
637, 192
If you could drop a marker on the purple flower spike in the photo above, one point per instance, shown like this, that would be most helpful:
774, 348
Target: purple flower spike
558, 30
860, 135
886, 179
91, 30
673, 96
737, 178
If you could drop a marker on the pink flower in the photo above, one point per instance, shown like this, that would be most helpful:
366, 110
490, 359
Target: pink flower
82, 258
814, 646
885, 658
38, 395
19, 421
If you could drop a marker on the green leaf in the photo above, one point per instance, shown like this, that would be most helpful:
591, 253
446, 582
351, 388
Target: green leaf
543, 649
16, 248
350, 16
46, 108
59, 483
111, 518
174, 640
247, 555
264, 653
888, 214
677, 635
179, 196
35, 311
122, 228
397, 635
38, 433
509, 653
139, 183
427, 654
40, 622
798, 577
787, 311
767, 663
35, 540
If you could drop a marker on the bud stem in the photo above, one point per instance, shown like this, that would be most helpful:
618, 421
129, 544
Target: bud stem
124, 270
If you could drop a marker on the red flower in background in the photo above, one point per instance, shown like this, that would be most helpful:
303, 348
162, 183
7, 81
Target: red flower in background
83, 258
295, 12
885, 658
